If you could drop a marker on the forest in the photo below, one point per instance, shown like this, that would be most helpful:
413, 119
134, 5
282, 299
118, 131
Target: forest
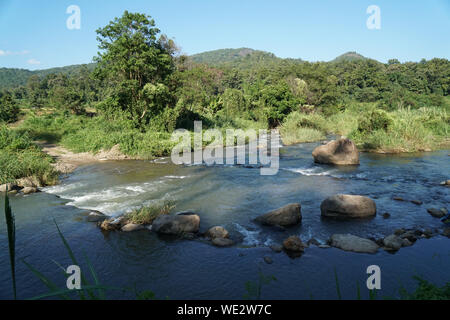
141, 87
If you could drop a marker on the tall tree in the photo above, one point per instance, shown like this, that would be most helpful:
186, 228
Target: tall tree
130, 57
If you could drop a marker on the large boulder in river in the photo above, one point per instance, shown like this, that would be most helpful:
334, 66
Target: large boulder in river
353, 243
286, 216
348, 206
338, 152
217, 232
179, 224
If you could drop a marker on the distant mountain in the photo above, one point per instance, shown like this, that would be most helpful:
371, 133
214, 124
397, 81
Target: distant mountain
233, 56
350, 56
10, 78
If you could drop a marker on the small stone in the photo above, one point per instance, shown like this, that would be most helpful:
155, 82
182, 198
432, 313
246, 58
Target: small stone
393, 242
189, 236
95, 217
294, 244
406, 243
446, 232
130, 227
417, 202
268, 260
29, 190
436, 212
313, 242
386, 215
398, 199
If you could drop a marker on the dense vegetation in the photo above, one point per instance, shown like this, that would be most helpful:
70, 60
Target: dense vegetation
140, 89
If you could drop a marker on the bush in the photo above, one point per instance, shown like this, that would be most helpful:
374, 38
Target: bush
374, 120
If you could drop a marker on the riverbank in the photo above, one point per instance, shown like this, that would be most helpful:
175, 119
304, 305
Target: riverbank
374, 130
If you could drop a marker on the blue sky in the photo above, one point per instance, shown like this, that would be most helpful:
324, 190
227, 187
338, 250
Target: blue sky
33, 34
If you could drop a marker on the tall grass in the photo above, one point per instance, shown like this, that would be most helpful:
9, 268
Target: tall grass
298, 128
147, 214
20, 157
375, 130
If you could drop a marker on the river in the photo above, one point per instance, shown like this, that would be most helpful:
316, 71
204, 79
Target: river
231, 196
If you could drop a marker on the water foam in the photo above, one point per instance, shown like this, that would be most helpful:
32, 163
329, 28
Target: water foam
250, 237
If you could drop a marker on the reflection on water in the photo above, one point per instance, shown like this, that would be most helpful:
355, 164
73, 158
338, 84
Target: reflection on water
232, 196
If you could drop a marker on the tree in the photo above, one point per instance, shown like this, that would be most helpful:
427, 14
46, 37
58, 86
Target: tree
8, 108
131, 56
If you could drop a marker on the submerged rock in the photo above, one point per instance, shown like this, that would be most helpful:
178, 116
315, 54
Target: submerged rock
179, 224
348, 206
393, 242
96, 216
294, 244
222, 242
286, 216
386, 215
353, 243
445, 183
268, 260
436, 212
313, 242
217, 232
276, 248
446, 232
417, 202
338, 152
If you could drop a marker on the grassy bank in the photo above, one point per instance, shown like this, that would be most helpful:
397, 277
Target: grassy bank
20, 157
373, 129
92, 134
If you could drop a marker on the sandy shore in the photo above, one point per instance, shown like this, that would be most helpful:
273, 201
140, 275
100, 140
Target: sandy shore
67, 161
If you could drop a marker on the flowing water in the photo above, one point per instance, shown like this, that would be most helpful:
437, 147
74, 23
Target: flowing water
232, 196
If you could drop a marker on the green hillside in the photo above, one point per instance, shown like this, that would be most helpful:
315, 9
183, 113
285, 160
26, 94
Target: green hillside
350, 56
10, 78
233, 57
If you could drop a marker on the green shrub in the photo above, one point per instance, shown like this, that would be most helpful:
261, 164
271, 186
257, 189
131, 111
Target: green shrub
427, 291
8, 108
374, 120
